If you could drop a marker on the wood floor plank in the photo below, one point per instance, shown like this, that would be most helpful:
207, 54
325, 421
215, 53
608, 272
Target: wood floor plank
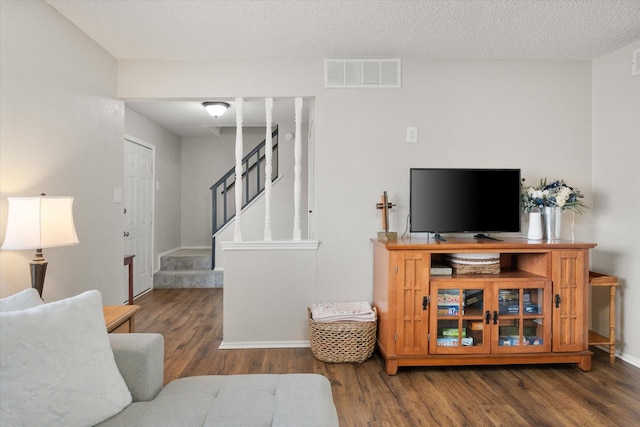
529, 395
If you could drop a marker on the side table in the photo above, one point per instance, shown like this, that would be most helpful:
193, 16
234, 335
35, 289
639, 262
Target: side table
601, 280
120, 318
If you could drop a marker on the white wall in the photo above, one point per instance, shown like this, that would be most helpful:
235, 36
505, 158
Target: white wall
205, 160
62, 132
519, 114
533, 115
616, 179
266, 305
168, 168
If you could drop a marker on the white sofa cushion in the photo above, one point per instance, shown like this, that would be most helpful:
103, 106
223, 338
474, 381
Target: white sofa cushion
256, 400
21, 300
57, 367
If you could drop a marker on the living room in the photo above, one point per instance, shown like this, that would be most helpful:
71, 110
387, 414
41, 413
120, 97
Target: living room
64, 120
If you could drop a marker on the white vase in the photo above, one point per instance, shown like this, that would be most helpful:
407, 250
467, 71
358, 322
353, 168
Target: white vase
535, 226
552, 222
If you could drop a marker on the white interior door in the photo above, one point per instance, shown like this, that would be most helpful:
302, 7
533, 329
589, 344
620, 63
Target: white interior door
138, 209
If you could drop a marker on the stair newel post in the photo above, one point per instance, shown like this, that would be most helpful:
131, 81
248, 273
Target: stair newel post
237, 232
268, 169
297, 170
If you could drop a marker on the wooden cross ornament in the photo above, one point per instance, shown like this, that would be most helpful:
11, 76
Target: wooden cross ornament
385, 205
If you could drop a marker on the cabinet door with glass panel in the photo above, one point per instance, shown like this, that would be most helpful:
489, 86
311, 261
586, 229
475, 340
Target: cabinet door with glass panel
458, 317
521, 317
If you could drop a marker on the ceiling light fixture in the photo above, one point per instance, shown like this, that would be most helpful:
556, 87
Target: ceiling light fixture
216, 109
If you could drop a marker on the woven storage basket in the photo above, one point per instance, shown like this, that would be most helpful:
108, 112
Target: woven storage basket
342, 342
463, 265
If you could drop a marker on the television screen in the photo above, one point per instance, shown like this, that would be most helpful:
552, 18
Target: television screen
464, 200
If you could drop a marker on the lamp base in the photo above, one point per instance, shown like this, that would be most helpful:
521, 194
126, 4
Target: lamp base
38, 270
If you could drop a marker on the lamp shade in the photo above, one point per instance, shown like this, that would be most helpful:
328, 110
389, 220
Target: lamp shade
40, 222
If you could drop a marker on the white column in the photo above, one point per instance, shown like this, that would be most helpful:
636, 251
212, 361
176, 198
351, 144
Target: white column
268, 168
297, 171
237, 232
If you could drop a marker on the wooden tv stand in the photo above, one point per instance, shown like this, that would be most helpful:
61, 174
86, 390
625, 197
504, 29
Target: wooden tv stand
534, 311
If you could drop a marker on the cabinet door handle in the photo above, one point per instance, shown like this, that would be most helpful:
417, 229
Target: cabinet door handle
558, 300
425, 300
487, 317
495, 317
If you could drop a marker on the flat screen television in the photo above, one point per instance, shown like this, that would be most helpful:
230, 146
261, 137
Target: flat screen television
464, 200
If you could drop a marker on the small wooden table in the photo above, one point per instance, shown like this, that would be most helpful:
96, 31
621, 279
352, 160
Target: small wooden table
599, 279
120, 318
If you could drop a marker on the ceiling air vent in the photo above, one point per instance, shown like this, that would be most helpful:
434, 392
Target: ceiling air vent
635, 63
361, 73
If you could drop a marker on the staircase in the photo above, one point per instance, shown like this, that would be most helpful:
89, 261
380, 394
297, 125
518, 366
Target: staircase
187, 268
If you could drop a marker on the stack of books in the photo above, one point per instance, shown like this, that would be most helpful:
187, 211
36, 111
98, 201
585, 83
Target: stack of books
449, 302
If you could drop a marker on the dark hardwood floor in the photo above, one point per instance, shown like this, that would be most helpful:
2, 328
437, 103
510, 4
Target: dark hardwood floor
545, 395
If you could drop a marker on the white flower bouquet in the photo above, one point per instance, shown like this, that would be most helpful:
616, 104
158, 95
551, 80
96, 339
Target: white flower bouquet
555, 194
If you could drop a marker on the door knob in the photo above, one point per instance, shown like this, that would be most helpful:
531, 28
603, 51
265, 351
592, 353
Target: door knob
126, 234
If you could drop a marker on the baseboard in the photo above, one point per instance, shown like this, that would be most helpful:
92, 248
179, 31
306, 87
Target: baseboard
139, 295
632, 360
262, 344
629, 359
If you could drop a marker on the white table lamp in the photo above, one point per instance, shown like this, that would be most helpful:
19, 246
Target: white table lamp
37, 223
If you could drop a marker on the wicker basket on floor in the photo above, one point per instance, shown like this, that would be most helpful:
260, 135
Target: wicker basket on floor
342, 342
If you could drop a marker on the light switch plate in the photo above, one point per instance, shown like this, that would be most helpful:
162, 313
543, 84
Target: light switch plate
117, 194
412, 134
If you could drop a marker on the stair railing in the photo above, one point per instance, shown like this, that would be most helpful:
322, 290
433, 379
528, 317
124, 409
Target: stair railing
253, 177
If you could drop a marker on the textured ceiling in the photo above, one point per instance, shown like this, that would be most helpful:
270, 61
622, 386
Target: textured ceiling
211, 29
306, 29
